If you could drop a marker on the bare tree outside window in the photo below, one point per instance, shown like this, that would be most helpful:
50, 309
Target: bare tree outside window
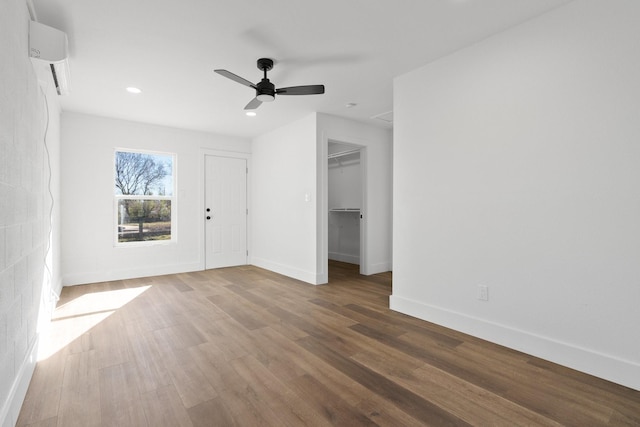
139, 173
144, 192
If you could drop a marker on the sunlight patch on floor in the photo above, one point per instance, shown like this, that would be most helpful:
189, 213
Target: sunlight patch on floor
74, 318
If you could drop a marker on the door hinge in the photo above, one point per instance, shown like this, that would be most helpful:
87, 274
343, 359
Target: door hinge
247, 211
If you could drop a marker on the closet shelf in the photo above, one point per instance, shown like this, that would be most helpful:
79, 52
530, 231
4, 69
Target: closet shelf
344, 210
344, 153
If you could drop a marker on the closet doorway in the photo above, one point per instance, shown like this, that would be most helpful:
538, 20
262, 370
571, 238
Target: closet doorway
345, 196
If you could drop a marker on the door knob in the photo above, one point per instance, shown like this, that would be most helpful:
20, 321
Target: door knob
208, 217
208, 210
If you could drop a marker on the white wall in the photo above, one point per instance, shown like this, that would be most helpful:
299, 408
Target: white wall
284, 200
376, 157
29, 224
516, 167
88, 145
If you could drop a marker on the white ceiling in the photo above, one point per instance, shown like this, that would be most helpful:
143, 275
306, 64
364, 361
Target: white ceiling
169, 49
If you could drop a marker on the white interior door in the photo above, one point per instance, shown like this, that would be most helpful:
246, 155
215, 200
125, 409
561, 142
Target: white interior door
225, 211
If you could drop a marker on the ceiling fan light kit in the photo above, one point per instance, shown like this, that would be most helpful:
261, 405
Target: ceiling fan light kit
265, 90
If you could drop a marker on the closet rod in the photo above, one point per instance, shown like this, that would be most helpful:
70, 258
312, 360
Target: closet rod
343, 153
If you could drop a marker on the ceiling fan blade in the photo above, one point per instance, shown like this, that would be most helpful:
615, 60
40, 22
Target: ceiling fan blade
253, 104
301, 90
235, 78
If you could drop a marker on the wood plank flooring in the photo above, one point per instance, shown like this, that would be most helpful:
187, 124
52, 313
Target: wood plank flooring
244, 346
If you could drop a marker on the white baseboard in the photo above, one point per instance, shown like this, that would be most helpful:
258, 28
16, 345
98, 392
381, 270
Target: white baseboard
377, 268
107, 276
56, 288
351, 259
367, 270
604, 366
305, 276
11, 406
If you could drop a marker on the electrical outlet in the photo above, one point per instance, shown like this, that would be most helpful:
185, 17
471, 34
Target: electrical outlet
483, 293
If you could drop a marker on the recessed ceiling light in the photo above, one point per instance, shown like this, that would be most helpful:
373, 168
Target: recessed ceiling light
351, 105
135, 90
251, 113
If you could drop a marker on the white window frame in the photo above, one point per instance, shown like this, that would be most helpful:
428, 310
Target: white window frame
173, 199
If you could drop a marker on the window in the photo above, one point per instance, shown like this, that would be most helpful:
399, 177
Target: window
144, 197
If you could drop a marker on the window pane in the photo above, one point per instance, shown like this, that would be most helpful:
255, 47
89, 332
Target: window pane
143, 174
144, 220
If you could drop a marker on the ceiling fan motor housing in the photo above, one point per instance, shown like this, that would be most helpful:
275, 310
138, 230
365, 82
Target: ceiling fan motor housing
266, 89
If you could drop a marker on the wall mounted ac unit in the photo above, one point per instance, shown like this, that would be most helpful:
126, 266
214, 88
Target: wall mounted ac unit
48, 49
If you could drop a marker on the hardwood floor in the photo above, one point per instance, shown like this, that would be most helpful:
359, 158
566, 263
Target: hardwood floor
246, 347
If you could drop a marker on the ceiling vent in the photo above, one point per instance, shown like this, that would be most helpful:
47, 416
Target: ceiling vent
384, 117
48, 49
